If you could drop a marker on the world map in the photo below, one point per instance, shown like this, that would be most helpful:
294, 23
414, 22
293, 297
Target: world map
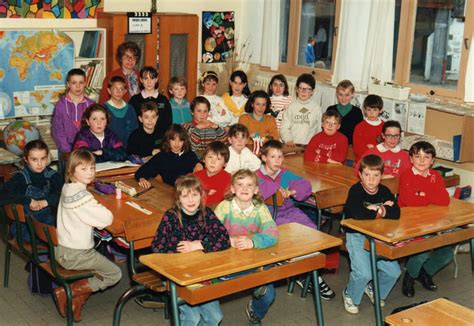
32, 71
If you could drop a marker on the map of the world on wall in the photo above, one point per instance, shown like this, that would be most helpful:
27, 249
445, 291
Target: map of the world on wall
33, 69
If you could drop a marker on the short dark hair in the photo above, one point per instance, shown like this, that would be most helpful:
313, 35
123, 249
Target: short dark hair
91, 109
371, 162
171, 133
373, 101
128, 46
391, 124
281, 78
243, 77
200, 100
116, 79
237, 129
75, 72
218, 148
253, 97
331, 113
148, 106
148, 71
37, 144
424, 146
267, 146
307, 79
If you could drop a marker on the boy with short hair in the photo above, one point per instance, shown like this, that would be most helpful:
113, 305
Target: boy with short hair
423, 186
201, 131
215, 180
145, 140
179, 105
329, 145
351, 115
367, 132
123, 119
241, 157
368, 200
301, 119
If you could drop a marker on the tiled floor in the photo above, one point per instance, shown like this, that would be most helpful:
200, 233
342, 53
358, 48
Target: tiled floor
19, 307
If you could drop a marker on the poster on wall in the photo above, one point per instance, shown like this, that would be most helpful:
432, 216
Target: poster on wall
217, 35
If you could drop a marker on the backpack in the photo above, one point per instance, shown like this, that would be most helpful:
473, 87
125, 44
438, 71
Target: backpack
39, 281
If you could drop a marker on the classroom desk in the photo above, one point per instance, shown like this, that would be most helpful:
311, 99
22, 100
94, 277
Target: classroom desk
158, 200
123, 173
414, 222
437, 312
186, 269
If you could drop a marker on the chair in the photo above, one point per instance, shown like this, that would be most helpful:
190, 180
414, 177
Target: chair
64, 277
14, 213
139, 233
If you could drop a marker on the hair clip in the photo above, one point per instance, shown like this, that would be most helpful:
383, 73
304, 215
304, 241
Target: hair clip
209, 73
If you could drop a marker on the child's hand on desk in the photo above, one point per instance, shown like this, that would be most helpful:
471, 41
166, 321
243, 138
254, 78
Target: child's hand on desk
189, 246
37, 205
98, 152
389, 203
144, 183
241, 242
373, 207
330, 160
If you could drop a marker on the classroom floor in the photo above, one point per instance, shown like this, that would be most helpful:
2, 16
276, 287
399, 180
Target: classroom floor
19, 307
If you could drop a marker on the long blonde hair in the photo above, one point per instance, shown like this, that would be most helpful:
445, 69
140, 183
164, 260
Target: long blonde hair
242, 174
188, 184
78, 157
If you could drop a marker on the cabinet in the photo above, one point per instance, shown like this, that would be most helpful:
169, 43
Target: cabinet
171, 46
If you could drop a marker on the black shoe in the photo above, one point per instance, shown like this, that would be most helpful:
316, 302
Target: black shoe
408, 287
425, 279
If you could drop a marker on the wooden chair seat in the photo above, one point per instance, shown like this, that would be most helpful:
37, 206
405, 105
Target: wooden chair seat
27, 246
151, 280
67, 273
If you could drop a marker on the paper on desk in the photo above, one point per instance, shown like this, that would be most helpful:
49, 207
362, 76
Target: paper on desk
112, 165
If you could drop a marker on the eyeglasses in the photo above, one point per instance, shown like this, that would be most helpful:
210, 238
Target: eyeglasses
120, 89
129, 57
305, 89
392, 136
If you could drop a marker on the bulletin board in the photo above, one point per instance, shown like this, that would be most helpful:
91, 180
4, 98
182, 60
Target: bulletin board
217, 35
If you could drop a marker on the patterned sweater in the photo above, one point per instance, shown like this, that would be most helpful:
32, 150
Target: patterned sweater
200, 138
255, 221
209, 231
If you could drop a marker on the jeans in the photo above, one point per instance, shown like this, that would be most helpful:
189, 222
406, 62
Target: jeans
263, 298
430, 261
206, 314
388, 270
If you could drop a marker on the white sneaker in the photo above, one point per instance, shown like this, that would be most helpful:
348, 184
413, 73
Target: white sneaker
370, 293
348, 304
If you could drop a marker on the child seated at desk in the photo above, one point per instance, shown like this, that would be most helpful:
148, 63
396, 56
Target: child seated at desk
423, 186
97, 138
215, 180
201, 130
272, 179
368, 199
329, 145
78, 214
175, 159
250, 225
145, 140
240, 156
37, 187
395, 160
191, 226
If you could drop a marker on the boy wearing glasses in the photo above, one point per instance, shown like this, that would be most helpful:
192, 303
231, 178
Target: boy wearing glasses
301, 119
123, 119
329, 145
367, 132
395, 160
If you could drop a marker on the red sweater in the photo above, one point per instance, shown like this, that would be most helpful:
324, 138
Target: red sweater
394, 162
334, 147
365, 134
218, 184
432, 186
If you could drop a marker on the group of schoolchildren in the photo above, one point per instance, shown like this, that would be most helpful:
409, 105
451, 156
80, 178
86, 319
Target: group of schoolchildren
185, 144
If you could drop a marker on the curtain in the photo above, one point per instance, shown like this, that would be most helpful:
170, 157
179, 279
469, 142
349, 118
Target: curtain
469, 82
365, 43
270, 55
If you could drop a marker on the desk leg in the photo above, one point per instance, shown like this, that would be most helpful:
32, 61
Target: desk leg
375, 281
317, 298
472, 254
174, 304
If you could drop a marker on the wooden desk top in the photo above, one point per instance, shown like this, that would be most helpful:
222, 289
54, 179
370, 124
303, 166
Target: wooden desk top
157, 200
436, 312
416, 221
126, 172
185, 269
